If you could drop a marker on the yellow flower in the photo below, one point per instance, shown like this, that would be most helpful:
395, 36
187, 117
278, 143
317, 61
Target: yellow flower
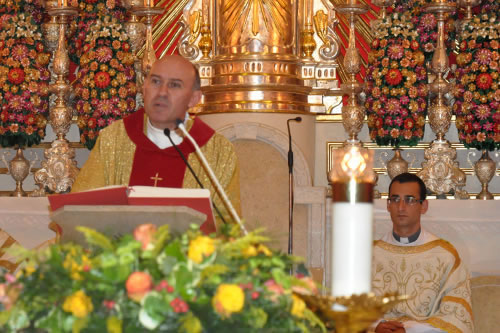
199, 247
298, 306
264, 250
79, 304
250, 251
228, 298
114, 325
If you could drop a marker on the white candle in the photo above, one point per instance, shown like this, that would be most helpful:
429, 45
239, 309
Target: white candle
352, 237
352, 179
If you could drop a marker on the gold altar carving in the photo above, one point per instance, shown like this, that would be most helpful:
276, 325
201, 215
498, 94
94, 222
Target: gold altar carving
58, 175
262, 55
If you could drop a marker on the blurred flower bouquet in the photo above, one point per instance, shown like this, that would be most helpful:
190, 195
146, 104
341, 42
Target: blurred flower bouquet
153, 281
477, 90
24, 77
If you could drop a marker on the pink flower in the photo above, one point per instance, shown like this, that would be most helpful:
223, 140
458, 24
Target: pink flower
395, 51
483, 111
483, 56
104, 54
145, 235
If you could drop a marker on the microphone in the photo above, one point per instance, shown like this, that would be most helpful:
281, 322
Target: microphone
290, 186
290, 152
211, 175
166, 131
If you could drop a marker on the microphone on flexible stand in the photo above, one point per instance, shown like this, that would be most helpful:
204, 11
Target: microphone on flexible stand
213, 178
290, 185
166, 131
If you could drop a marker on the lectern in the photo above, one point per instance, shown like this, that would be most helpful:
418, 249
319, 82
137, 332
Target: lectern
116, 220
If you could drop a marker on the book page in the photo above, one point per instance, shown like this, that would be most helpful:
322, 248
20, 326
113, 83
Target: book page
166, 192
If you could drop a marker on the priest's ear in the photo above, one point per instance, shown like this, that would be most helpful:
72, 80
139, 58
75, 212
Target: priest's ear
424, 207
195, 98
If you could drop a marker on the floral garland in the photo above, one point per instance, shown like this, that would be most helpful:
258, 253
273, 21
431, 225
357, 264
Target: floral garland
105, 89
154, 281
477, 91
396, 84
90, 12
24, 77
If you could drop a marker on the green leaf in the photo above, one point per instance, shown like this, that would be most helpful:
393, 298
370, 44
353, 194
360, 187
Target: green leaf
174, 249
154, 309
52, 322
190, 324
257, 317
94, 237
18, 319
79, 324
281, 278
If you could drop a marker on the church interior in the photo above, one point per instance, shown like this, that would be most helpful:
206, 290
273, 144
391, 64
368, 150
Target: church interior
415, 82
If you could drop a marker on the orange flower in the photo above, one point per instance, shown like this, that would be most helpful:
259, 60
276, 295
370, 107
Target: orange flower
145, 235
138, 285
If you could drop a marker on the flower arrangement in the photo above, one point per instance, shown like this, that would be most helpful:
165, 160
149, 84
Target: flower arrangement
90, 12
396, 79
105, 88
396, 84
152, 280
477, 91
24, 76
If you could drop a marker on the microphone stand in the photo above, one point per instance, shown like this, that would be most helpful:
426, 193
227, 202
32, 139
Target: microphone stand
290, 186
166, 131
212, 177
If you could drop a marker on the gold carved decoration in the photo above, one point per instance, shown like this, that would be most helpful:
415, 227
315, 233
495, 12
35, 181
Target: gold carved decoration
241, 22
194, 26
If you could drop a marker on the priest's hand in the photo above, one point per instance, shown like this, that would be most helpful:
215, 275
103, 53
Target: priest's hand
390, 327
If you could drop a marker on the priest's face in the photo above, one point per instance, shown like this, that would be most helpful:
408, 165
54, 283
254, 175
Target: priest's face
169, 91
405, 207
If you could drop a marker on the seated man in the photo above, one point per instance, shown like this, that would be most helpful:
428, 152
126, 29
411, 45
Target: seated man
411, 261
135, 150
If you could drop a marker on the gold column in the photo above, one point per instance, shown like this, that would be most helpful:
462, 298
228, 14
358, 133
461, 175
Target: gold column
440, 172
59, 171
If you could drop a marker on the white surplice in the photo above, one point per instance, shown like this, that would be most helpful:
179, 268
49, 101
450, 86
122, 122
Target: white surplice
430, 272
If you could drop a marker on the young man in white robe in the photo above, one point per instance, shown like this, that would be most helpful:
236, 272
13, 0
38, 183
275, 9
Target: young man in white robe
411, 261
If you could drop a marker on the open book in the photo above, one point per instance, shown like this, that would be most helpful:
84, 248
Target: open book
197, 199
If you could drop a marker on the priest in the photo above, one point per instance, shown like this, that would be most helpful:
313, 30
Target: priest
136, 151
411, 261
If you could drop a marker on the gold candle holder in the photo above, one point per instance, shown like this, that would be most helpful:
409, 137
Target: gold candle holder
57, 175
353, 114
149, 12
353, 313
440, 172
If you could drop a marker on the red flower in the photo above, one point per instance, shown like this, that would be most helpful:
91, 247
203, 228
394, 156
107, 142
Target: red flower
179, 306
483, 81
16, 76
393, 76
102, 79
409, 123
92, 123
